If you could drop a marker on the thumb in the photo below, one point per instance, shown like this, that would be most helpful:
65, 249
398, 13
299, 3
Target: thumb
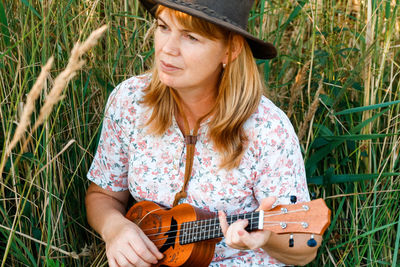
266, 203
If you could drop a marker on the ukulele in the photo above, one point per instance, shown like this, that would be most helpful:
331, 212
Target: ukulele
187, 235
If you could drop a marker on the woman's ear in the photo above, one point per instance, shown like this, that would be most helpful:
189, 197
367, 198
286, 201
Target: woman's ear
235, 47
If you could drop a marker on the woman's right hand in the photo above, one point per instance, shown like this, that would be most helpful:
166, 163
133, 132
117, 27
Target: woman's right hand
127, 245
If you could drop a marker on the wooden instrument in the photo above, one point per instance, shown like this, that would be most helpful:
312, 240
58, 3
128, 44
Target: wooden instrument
187, 235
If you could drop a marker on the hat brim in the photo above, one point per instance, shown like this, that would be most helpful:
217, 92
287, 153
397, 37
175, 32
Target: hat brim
260, 49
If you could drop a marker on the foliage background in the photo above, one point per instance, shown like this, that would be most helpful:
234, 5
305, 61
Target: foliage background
337, 76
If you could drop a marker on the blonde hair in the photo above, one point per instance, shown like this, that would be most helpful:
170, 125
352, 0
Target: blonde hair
238, 95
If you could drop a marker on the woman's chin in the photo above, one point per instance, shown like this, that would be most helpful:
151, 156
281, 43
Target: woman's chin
169, 81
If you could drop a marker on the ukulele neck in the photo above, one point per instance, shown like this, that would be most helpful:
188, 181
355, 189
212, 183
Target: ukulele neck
196, 231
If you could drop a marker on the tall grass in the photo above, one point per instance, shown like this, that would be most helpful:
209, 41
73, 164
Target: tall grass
345, 55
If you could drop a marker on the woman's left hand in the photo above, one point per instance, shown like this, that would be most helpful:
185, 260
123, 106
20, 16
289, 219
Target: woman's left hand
237, 237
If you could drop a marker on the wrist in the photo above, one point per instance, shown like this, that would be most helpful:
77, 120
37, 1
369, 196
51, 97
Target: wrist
113, 224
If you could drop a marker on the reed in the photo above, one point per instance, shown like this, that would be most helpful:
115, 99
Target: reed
28, 109
310, 113
344, 104
295, 89
75, 63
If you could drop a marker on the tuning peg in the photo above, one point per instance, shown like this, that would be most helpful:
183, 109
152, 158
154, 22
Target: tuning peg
293, 199
291, 241
311, 242
313, 195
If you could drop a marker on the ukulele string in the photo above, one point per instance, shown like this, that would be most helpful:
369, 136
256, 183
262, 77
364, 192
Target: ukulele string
196, 226
274, 223
191, 228
270, 223
271, 214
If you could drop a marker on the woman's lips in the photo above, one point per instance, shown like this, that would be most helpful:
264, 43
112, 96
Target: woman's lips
168, 67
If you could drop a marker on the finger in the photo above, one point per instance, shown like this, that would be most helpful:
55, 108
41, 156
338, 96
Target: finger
244, 236
223, 222
135, 260
240, 224
111, 262
122, 261
151, 247
237, 230
249, 241
143, 254
254, 240
266, 203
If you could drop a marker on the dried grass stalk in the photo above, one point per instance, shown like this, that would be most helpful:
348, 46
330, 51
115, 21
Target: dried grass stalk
311, 111
295, 90
28, 109
319, 7
355, 8
85, 252
74, 64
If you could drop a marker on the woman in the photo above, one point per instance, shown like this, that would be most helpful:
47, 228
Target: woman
197, 130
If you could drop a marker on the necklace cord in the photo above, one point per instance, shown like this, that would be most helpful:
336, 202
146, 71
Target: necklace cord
190, 141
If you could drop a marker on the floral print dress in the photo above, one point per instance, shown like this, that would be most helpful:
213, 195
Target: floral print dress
152, 167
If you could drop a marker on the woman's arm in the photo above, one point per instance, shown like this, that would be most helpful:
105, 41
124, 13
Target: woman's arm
126, 244
275, 245
300, 254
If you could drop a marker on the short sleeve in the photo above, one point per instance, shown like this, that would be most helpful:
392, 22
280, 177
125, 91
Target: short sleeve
109, 168
281, 171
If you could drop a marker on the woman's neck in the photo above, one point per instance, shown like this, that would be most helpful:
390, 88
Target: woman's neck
195, 104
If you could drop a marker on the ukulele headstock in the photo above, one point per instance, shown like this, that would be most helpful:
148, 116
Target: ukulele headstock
311, 217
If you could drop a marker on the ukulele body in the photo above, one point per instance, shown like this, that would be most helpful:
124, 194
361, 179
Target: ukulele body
162, 226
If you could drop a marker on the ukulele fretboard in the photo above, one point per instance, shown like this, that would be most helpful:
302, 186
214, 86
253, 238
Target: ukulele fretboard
195, 231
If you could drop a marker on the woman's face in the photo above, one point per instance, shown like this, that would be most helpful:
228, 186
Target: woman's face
187, 60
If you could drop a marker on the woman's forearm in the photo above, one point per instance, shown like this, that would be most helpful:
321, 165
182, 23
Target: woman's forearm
300, 254
104, 210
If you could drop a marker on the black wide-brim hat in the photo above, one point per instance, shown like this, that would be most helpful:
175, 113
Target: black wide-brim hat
229, 14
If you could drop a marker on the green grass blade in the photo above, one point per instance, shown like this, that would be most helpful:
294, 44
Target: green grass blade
360, 126
294, 13
371, 107
4, 25
396, 247
364, 235
347, 178
25, 2
315, 158
355, 137
27, 253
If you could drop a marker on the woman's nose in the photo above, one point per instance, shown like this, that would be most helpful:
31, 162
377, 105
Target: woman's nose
171, 45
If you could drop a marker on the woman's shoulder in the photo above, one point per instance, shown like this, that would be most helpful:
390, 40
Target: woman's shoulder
131, 88
268, 115
124, 100
268, 123
269, 129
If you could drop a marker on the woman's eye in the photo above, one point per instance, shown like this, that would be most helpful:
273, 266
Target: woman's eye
191, 38
162, 26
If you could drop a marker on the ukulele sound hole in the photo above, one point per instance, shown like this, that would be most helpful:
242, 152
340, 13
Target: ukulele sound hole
171, 236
